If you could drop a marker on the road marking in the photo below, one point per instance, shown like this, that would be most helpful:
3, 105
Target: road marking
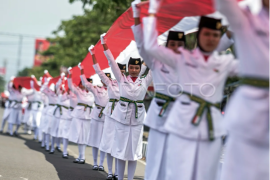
24, 178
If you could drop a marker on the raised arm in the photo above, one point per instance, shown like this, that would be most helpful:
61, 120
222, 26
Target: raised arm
138, 34
115, 69
233, 13
101, 74
88, 85
160, 53
148, 78
70, 84
225, 42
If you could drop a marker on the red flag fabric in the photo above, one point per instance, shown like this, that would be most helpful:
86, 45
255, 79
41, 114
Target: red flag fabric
120, 34
54, 80
25, 82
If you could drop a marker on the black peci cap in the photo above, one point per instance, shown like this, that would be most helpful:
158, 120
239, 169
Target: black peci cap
90, 80
108, 75
122, 66
210, 23
135, 61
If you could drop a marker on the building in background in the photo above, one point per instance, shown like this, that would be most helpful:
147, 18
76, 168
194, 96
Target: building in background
41, 45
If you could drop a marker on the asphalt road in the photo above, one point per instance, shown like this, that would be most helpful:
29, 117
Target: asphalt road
22, 158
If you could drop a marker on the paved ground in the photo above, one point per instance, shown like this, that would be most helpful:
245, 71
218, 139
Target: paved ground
22, 158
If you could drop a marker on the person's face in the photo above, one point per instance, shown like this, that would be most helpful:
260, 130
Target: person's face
209, 39
174, 45
134, 70
265, 3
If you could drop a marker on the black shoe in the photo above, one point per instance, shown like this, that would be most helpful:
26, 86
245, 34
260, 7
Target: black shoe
65, 156
58, 149
101, 168
76, 160
110, 177
1, 132
42, 146
51, 152
115, 177
95, 167
39, 142
82, 161
16, 134
47, 150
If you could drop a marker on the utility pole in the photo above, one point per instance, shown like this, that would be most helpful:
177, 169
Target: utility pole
19, 53
5, 66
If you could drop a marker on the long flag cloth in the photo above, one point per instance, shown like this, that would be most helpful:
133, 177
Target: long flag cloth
25, 82
120, 34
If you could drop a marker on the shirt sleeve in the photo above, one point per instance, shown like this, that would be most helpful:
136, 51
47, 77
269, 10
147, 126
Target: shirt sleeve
148, 78
115, 69
159, 53
143, 69
71, 87
233, 13
139, 38
88, 85
224, 43
234, 68
101, 74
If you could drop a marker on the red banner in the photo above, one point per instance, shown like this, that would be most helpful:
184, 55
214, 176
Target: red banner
25, 82
120, 34
40, 46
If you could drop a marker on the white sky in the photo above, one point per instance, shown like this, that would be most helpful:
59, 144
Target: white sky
31, 17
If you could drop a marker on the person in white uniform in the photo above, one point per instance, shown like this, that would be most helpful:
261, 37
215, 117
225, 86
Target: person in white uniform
194, 122
247, 114
36, 107
49, 112
165, 81
129, 114
59, 111
80, 124
69, 100
97, 119
27, 119
7, 106
16, 115
45, 102
108, 129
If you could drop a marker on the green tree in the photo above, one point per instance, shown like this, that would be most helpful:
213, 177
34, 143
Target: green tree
2, 84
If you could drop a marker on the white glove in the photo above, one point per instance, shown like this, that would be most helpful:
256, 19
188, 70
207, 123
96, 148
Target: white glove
62, 75
69, 70
48, 79
91, 49
103, 39
135, 9
65, 78
80, 66
33, 76
12, 78
40, 79
45, 71
63, 86
154, 6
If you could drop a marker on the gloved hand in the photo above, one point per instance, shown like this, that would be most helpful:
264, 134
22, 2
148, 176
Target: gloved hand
69, 70
45, 71
135, 9
32, 76
91, 49
80, 66
154, 6
62, 75
103, 39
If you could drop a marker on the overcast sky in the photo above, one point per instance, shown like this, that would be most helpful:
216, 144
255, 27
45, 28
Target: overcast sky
37, 18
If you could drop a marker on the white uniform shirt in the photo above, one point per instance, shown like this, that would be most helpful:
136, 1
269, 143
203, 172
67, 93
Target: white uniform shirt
164, 79
52, 98
251, 34
101, 98
197, 77
124, 112
112, 86
82, 97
